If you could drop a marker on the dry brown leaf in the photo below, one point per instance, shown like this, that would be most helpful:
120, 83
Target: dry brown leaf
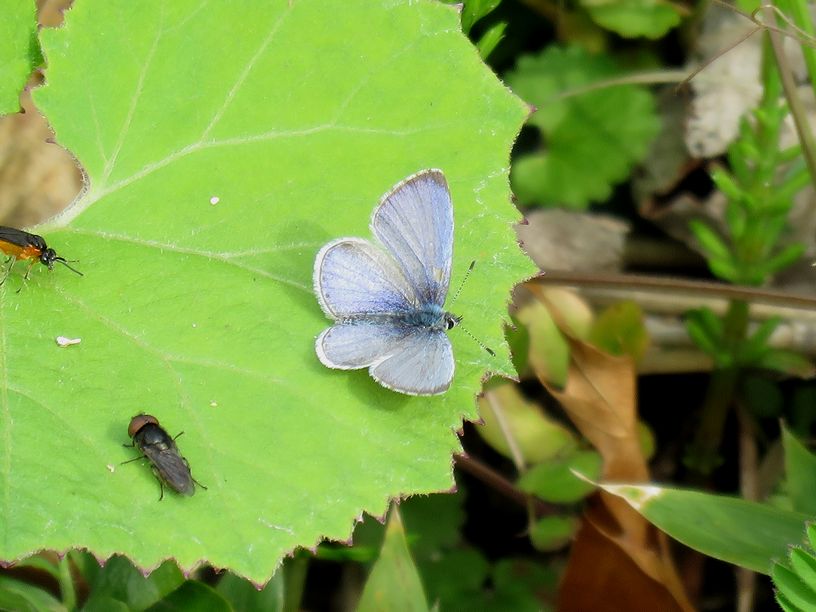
603, 576
37, 178
619, 560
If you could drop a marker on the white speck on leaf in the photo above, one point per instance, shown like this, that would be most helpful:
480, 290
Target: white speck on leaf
63, 341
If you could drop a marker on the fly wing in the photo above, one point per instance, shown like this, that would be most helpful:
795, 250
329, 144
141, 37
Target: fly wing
354, 278
359, 344
171, 467
415, 223
422, 364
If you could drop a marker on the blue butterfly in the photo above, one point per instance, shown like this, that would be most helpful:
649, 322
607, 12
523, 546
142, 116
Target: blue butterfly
387, 299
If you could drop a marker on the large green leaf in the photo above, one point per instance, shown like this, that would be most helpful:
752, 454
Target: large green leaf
19, 51
296, 116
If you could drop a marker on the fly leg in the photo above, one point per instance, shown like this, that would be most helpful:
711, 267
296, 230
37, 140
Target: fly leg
161, 484
134, 459
132, 445
188, 467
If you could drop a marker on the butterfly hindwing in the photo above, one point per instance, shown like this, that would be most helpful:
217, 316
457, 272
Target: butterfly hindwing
422, 365
348, 346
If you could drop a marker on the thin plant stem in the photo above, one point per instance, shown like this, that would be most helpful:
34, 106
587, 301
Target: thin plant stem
703, 455
797, 108
799, 13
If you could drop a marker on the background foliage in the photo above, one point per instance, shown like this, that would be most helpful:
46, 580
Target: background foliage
637, 463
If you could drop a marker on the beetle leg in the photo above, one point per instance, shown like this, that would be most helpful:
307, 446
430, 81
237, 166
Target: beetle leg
25, 276
28, 270
10, 261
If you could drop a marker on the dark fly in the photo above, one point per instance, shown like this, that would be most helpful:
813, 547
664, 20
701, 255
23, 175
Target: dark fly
19, 244
160, 449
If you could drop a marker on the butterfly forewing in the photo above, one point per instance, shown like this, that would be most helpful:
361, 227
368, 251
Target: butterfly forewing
415, 223
353, 278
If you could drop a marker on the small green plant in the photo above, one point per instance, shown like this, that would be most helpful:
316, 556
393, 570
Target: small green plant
795, 578
760, 186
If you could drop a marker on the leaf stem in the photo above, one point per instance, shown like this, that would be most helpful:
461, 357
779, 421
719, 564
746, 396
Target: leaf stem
501, 484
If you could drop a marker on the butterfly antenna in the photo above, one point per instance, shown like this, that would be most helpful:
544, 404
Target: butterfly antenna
479, 342
459, 319
64, 262
462, 284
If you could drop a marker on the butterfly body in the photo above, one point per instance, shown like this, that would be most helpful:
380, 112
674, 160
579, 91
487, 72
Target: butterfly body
430, 316
387, 299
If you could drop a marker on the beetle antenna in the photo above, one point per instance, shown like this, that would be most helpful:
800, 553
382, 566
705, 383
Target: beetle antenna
64, 262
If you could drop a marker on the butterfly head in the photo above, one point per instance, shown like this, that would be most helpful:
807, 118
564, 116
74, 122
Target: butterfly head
450, 320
